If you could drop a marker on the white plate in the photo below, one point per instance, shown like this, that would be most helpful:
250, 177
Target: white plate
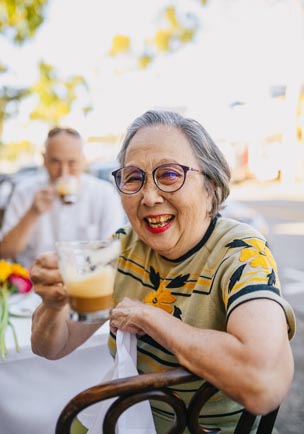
23, 305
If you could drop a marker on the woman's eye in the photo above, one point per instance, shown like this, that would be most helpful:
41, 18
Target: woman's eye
133, 177
168, 175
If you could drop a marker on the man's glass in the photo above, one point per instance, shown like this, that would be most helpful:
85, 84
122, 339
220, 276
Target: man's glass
167, 177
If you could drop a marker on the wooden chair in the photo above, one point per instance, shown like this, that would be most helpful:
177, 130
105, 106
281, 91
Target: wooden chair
132, 390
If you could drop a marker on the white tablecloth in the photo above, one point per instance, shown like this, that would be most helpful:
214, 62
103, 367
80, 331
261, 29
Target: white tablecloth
33, 390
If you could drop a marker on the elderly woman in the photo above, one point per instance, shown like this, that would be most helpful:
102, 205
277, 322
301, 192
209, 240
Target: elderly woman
199, 290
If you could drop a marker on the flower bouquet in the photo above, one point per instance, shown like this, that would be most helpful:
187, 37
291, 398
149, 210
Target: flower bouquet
14, 279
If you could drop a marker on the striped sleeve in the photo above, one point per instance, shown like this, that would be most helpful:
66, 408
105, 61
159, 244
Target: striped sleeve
251, 273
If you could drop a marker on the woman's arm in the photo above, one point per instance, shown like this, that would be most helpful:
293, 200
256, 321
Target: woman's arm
251, 362
54, 335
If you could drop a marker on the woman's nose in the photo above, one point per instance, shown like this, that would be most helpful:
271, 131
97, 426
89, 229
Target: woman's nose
150, 193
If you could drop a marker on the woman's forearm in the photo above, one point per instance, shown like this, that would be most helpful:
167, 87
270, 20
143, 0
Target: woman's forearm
54, 335
49, 331
255, 374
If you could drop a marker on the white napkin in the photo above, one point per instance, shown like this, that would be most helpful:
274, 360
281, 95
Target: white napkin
138, 418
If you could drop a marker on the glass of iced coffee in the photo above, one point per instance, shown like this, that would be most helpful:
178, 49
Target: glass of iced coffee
67, 189
88, 269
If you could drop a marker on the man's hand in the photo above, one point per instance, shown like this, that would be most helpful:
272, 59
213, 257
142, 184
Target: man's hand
43, 200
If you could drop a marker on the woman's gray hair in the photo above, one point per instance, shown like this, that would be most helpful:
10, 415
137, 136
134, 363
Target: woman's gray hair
210, 158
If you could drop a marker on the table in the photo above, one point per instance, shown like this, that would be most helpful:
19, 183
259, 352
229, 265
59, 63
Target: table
33, 390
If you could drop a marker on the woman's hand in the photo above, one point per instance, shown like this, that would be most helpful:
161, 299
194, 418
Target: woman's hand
126, 316
54, 335
47, 281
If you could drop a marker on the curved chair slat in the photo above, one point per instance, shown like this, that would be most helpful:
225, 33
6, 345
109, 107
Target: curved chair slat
132, 390
166, 395
199, 399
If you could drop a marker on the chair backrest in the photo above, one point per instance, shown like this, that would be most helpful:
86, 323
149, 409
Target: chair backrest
156, 386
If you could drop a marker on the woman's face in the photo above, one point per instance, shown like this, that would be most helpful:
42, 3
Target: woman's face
169, 223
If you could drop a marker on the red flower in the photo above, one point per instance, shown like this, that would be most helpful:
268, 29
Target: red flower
23, 284
14, 279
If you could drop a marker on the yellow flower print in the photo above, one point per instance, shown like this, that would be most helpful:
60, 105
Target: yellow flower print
161, 298
258, 254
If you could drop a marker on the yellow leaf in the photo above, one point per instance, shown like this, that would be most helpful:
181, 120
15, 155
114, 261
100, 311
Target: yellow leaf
186, 35
120, 44
144, 61
171, 16
162, 40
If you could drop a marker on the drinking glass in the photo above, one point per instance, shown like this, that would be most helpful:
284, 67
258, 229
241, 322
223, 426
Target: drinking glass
88, 270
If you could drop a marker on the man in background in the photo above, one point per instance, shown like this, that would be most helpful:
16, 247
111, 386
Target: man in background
36, 217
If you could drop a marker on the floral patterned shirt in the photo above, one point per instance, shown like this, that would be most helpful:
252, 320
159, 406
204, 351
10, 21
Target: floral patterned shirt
231, 265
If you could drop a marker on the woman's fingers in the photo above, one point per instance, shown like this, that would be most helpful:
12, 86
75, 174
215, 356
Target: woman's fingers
48, 260
113, 329
52, 291
126, 327
47, 281
45, 270
44, 276
54, 296
123, 317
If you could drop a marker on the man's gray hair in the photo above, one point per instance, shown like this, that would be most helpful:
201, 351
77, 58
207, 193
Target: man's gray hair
56, 131
210, 158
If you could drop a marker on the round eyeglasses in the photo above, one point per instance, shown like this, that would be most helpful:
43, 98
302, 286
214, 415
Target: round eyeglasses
167, 177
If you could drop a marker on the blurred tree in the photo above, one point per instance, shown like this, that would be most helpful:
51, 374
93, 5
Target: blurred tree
19, 22
9, 99
175, 28
19, 19
15, 150
55, 95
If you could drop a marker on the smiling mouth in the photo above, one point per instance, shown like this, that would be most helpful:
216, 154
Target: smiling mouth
159, 221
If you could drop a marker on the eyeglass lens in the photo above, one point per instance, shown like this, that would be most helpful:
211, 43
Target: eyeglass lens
168, 178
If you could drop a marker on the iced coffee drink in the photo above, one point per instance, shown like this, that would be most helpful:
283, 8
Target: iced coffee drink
91, 291
88, 269
67, 189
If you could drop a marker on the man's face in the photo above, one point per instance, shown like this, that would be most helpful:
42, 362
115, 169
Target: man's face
64, 156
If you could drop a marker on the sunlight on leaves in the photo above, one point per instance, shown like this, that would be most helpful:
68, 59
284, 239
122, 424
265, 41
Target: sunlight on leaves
55, 95
20, 20
120, 44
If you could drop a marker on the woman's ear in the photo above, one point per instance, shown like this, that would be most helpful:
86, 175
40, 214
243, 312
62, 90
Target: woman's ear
212, 195
210, 200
